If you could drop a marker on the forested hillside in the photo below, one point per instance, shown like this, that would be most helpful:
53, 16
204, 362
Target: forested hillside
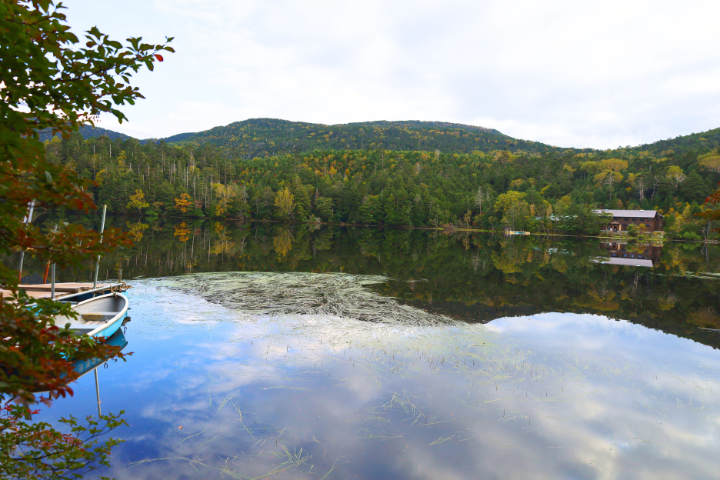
694, 142
263, 137
538, 191
88, 132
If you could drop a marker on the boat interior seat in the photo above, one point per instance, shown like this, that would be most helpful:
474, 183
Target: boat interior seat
85, 319
96, 316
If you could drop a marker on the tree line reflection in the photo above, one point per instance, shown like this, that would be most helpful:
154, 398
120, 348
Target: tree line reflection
471, 277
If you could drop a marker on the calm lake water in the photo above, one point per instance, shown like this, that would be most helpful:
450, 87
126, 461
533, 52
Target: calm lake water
261, 351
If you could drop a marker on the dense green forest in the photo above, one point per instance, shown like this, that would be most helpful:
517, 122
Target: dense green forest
420, 177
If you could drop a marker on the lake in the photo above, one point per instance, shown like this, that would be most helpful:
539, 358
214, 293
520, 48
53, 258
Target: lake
268, 351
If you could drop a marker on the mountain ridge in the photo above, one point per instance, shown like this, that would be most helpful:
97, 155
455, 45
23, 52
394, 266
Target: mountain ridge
266, 137
262, 137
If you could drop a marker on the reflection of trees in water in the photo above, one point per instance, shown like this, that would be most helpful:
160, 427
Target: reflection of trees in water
667, 301
602, 288
222, 245
705, 317
597, 301
496, 277
282, 243
182, 232
136, 230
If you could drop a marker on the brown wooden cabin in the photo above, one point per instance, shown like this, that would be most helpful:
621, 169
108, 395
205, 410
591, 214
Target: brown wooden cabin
622, 219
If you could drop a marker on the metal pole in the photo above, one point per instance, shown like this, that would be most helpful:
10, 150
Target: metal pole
97, 391
26, 220
31, 207
52, 288
97, 264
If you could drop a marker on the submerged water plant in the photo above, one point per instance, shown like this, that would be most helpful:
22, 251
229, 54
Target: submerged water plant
302, 293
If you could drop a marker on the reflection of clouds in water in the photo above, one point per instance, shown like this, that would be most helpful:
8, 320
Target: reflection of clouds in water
329, 382
669, 362
644, 417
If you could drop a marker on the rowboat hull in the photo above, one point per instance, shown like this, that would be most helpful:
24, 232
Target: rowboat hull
110, 330
82, 367
98, 317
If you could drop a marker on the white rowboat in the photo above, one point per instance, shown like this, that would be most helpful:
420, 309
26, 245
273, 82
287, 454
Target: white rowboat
98, 317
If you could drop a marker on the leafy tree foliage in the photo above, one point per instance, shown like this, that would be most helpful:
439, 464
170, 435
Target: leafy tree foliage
49, 454
51, 81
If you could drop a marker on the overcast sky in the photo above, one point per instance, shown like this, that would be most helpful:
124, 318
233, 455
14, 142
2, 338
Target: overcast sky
567, 73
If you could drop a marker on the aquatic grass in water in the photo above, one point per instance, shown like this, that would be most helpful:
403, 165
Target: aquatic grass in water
333, 294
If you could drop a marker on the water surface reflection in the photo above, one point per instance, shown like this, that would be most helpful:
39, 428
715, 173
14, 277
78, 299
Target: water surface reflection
363, 353
405, 393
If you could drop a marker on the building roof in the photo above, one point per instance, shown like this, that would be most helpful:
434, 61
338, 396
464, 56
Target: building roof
629, 213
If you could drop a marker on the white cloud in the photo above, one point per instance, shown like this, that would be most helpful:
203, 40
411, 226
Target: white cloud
561, 72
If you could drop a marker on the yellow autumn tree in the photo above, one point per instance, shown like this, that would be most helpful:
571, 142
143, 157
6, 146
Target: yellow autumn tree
138, 201
513, 208
608, 177
710, 161
675, 175
614, 164
183, 203
285, 202
224, 194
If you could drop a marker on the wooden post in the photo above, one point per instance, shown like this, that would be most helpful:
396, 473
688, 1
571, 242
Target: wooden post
97, 264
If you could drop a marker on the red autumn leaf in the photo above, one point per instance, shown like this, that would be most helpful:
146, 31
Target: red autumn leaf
159, 57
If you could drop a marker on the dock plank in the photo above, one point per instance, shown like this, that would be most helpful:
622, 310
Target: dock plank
61, 287
40, 291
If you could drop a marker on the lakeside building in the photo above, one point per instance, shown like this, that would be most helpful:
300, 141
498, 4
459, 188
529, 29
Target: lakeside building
622, 219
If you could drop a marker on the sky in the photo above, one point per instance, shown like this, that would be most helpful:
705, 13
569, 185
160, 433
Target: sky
566, 73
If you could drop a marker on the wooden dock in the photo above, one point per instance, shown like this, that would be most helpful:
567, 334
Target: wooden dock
65, 291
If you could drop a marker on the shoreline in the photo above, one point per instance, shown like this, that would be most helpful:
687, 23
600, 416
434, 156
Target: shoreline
445, 229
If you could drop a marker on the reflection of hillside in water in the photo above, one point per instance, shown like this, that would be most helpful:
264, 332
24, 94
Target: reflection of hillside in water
608, 279
473, 277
